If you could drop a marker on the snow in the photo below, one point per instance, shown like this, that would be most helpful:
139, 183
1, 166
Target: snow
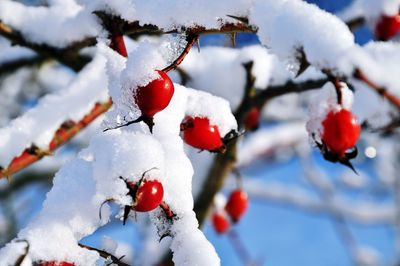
367, 256
38, 125
217, 110
69, 213
219, 70
10, 53
170, 15
370, 9
379, 63
361, 211
267, 140
285, 27
44, 24
124, 154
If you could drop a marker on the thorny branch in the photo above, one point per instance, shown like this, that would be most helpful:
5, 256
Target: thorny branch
69, 56
358, 74
105, 255
66, 131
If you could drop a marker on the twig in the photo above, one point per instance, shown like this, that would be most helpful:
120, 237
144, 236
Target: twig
105, 255
62, 135
68, 56
191, 40
355, 23
358, 74
10, 66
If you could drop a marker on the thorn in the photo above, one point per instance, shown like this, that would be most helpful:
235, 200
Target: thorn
141, 118
232, 36
127, 209
241, 19
304, 64
198, 44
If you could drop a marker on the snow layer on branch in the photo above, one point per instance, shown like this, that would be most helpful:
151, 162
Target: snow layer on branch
186, 248
10, 53
61, 23
166, 144
127, 155
216, 109
367, 212
370, 9
265, 141
171, 14
379, 62
39, 124
286, 26
219, 70
69, 213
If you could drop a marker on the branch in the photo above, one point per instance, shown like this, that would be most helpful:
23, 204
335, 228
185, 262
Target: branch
358, 74
66, 131
290, 87
105, 255
68, 56
355, 23
24, 180
223, 163
191, 40
10, 66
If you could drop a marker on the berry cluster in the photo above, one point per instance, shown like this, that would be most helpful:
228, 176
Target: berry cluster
234, 209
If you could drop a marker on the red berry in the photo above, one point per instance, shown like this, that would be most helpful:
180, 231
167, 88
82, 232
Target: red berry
220, 222
237, 204
341, 131
387, 27
55, 263
252, 120
155, 96
200, 134
149, 196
